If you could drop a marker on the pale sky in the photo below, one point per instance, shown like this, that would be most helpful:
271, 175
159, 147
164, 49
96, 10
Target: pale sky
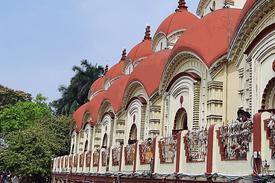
41, 40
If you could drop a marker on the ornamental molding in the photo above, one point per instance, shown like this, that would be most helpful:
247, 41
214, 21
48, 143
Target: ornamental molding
130, 91
182, 60
217, 66
248, 28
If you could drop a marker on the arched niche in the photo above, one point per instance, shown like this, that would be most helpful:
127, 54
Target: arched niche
268, 98
133, 134
182, 103
180, 122
86, 146
105, 141
73, 142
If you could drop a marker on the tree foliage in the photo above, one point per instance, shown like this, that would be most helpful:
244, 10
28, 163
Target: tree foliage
76, 93
23, 114
10, 97
30, 151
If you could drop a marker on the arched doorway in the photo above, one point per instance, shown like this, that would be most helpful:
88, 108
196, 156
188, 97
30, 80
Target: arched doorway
180, 121
104, 142
268, 98
133, 135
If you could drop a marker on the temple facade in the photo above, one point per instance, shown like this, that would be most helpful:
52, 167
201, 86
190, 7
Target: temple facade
193, 103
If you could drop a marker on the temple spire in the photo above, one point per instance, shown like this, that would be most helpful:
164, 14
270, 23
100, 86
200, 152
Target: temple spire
147, 33
182, 5
123, 55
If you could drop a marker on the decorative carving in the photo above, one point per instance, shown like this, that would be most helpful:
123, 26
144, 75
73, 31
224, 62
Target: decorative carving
234, 140
270, 133
75, 160
195, 145
88, 159
96, 156
116, 156
66, 161
130, 154
266, 94
62, 162
146, 152
104, 157
58, 163
81, 160
71, 161
167, 150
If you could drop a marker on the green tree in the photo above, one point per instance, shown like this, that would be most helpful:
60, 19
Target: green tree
23, 114
76, 93
30, 151
10, 97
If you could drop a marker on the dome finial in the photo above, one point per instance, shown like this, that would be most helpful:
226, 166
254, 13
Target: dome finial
123, 55
147, 33
182, 5
106, 69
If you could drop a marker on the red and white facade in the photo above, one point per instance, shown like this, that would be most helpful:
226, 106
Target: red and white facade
167, 111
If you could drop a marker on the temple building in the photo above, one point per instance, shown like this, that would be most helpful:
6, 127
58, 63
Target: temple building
194, 102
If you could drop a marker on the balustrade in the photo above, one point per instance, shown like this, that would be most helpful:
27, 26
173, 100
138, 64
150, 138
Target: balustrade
234, 139
116, 156
146, 152
167, 150
270, 128
130, 153
196, 145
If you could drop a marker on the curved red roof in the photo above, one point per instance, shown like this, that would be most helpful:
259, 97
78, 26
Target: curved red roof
97, 85
116, 92
149, 71
94, 106
115, 71
78, 116
181, 19
143, 49
210, 37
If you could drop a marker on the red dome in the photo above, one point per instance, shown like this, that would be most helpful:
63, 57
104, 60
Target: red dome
78, 116
115, 71
181, 19
209, 38
94, 106
97, 85
116, 92
143, 72
141, 50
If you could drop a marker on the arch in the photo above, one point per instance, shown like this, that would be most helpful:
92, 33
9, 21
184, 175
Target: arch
110, 113
142, 100
260, 37
106, 108
104, 141
259, 10
188, 74
133, 134
268, 96
131, 91
184, 60
86, 146
158, 37
72, 149
180, 121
